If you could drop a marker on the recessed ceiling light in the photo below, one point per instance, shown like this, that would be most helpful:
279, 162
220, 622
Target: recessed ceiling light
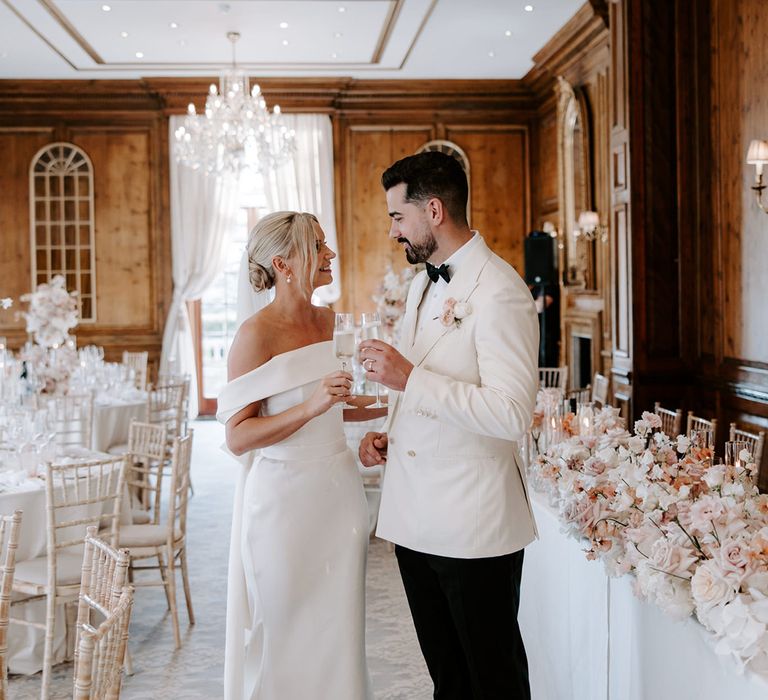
174, 25
285, 42
106, 8
508, 33
139, 54
342, 8
528, 8
283, 25
124, 35
491, 54
337, 35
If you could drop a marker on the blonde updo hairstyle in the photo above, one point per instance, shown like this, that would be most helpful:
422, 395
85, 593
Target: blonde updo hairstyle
282, 234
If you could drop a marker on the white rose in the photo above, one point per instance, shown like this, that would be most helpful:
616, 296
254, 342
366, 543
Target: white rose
636, 444
683, 443
714, 476
461, 309
710, 587
671, 558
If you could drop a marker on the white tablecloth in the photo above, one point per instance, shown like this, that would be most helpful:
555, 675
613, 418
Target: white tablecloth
589, 638
112, 421
26, 644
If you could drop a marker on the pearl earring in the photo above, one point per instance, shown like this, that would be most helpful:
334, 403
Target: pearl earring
288, 279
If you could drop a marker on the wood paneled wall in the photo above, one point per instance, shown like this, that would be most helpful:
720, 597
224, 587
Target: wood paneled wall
499, 196
580, 54
733, 334
122, 125
126, 143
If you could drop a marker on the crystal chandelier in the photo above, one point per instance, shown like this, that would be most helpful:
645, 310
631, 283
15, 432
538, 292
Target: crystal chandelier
237, 130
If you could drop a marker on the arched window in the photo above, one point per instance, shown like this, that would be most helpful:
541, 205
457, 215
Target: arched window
451, 149
61, 221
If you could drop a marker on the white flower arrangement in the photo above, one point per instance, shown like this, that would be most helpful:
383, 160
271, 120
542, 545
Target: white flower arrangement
694, 533
52, 368
390, 300
52, 313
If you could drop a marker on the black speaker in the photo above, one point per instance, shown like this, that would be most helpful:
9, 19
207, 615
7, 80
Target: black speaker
540, 266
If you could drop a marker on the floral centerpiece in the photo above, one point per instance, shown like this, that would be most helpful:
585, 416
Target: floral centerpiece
52, 313
694, 533
390, 300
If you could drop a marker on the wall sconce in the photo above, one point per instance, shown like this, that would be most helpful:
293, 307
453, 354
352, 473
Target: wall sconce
589, 228
757, 155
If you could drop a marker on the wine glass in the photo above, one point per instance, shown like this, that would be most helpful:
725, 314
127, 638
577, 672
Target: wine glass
371, 330
344, 339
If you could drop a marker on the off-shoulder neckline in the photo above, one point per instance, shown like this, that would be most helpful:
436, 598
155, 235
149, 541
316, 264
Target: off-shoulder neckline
280, 355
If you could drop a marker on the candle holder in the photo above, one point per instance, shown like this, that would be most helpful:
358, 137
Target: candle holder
585, 418
733, 450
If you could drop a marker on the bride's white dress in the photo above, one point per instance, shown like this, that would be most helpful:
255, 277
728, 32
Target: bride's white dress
296, 589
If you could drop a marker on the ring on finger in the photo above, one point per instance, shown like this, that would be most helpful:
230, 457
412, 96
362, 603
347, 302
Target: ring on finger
368, 364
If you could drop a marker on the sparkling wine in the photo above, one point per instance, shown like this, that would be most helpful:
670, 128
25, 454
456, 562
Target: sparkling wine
370, 331
344, 344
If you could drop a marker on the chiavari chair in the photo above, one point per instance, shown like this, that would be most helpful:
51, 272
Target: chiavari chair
166, 541
600, 389
671, 421
554, 377
10, 527
78, 494
101, 653
137, 361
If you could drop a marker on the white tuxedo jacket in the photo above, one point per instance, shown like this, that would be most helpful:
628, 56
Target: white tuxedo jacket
454, 483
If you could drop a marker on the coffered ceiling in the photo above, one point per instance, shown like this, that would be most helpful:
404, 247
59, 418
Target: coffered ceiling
83, 39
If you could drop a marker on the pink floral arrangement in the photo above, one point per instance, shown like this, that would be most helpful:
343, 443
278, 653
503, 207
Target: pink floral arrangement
693, 533
52, 313
454, 312
390, 300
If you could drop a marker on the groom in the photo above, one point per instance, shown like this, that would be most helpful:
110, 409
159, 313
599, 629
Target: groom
454, 499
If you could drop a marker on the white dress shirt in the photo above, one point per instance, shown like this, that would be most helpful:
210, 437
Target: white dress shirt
432, 302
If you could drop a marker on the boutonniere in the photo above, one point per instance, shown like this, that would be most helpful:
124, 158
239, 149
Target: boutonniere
454, 312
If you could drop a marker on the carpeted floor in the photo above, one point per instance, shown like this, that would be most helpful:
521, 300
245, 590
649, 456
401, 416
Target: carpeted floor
195, 671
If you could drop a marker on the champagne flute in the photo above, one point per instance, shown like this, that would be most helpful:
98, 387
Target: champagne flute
344, 340
371, 330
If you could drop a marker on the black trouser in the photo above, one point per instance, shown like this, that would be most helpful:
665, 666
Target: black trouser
465, 612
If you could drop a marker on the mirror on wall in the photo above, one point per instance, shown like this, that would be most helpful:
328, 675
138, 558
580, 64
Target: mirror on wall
574, 184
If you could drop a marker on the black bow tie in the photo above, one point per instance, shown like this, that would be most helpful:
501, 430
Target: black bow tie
434, 273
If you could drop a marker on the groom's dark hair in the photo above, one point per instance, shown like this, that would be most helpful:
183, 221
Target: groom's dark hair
428, 175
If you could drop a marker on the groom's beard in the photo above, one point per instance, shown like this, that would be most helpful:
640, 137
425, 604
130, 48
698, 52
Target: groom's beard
420, 252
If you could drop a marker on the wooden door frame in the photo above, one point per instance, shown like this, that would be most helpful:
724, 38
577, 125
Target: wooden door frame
206, 406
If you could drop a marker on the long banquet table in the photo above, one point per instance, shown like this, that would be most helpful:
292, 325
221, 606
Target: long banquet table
589, 638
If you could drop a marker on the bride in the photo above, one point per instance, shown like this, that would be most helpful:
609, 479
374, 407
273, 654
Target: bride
296, 591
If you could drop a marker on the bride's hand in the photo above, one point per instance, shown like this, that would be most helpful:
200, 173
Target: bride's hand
333, 389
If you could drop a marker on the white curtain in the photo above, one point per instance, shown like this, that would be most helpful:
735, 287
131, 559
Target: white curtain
305, 183
203, 211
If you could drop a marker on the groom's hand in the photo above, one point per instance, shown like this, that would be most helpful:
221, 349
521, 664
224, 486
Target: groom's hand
384, 364
373, 449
